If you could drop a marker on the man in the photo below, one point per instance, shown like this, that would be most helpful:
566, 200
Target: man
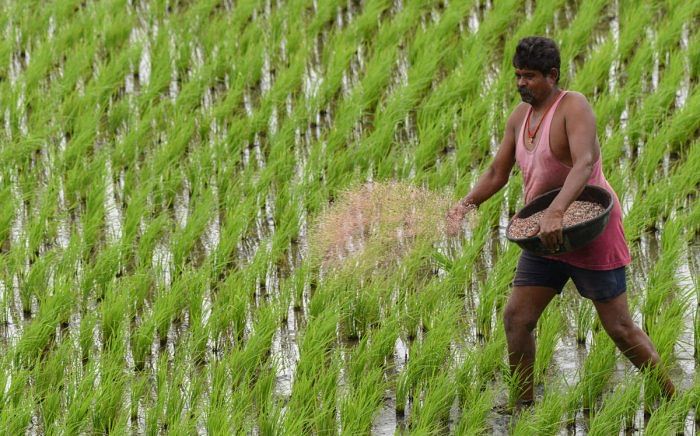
552, 136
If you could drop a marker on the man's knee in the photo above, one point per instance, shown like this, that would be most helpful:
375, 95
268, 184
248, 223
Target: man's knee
516, 319
621, 332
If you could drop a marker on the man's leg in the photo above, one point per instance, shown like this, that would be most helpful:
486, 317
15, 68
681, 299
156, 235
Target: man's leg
524, 307
631, 340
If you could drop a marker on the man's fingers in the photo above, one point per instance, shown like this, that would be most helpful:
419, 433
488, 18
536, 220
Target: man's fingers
551, 240
535, 231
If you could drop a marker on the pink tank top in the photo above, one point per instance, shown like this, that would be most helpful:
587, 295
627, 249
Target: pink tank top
542, 172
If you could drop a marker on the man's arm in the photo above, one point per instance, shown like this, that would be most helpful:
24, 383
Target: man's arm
492, 180
580, 126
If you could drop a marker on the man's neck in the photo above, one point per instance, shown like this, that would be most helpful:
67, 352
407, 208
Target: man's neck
544, 104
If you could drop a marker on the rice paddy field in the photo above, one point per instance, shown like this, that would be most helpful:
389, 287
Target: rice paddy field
164, 164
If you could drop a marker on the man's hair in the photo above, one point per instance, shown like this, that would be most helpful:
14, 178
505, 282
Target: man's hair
537, 53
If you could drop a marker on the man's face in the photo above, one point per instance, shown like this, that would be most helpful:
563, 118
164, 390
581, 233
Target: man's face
533, 86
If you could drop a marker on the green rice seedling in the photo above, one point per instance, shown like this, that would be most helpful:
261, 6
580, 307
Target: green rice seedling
217, 414
656, 106
312, 405
365, 378
160, 70
40, 226
49, 378
358, 406
372, 351
139, 285
79, 399
546, 417
115, 310
670, 416
475, 413
138, 388
597, 370
574, 39
141, 340
299, 421
111, 73
148, 241
15, 419
170, 303
39, 335
592, 78
585, 318
643, 15
693, 53
155, 413
300, 279
268, 412
679, 15
99, 276
667, 329
475, 398
246, 361
549, 329
36, 283
18, 385
411, 319
659, 199
431, 414
673, 136
93, 217
341, 46
490, 358
7, 215
360, 312
233, 308
324, 418
696, 334
494, 290
108, 407
618, 408
175, 398
88, 322
474, 133
428, 357
514, 379
317, 343
662, 277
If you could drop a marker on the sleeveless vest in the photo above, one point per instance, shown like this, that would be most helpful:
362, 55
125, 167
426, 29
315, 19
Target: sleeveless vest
542, 172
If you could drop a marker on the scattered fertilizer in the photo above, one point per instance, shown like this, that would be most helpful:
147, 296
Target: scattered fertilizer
378, 223
578, 212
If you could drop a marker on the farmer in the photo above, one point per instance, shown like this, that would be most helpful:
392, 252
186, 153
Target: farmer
552, 137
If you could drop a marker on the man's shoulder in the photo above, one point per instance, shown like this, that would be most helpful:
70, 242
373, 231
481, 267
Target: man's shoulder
575, 99
518, 113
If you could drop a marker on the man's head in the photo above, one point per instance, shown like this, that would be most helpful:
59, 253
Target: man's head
536, 63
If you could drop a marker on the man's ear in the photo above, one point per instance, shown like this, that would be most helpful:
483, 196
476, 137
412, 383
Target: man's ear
553, 75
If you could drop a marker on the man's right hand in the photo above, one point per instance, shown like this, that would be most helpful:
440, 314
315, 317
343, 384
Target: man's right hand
455, 216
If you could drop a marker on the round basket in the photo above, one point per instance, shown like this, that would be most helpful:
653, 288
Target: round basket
575, 236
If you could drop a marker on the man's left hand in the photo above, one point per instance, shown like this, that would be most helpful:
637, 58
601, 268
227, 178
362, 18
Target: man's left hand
551, 225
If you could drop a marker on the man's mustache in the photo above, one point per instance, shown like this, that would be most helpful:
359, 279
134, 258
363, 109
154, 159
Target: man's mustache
524, 92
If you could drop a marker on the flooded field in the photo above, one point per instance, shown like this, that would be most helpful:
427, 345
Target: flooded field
164, 164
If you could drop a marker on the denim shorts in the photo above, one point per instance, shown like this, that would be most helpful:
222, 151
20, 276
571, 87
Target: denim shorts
595, 285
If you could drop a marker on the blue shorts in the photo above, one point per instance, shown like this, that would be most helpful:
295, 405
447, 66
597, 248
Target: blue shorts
596, 285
